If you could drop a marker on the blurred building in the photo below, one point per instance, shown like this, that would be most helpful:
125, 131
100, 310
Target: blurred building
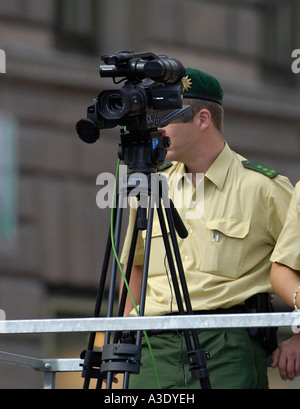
52, 233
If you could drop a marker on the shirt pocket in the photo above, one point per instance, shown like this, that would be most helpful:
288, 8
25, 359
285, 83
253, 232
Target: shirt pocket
224, 248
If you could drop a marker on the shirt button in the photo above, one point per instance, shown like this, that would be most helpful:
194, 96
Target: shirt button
185, 258
190, 230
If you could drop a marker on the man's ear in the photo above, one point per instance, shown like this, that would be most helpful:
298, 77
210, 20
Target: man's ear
204, 118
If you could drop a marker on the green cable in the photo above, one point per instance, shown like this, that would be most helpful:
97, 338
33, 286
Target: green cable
123, 275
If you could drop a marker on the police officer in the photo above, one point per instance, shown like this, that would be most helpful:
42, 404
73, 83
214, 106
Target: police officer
232, 229
285, 279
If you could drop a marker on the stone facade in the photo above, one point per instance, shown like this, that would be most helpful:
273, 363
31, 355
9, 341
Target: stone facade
53, 53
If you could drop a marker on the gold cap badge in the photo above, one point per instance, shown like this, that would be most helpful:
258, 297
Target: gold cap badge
186, 83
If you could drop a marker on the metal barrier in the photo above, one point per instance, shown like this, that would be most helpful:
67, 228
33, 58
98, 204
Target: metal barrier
48, 366
51, 366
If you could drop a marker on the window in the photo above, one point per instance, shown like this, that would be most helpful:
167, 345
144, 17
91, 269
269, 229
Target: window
77, 25
8, 183
281, 35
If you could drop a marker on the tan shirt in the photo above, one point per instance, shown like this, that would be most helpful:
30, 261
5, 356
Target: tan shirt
287, 249
226, 254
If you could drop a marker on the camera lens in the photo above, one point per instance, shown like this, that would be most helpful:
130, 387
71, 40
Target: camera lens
113, 105
117, 104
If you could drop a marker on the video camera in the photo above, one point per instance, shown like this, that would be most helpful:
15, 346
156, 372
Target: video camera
151, 98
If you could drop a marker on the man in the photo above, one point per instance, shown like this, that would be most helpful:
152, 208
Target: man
285, 279
226, 254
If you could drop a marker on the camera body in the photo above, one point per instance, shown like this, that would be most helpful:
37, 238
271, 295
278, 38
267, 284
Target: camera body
140, 106
151, 98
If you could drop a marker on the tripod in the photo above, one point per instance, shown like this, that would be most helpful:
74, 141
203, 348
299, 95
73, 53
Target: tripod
123, 355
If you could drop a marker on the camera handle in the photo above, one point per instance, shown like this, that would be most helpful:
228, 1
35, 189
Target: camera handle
125, 357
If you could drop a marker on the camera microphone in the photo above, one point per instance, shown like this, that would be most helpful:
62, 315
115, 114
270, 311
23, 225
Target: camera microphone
166, 70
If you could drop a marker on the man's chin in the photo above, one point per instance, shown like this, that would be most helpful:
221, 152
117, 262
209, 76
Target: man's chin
169, 157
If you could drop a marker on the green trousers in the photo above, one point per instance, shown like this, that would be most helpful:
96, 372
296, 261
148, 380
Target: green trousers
236, 361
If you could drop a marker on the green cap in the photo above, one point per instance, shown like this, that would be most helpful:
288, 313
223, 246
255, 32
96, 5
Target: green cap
200, 85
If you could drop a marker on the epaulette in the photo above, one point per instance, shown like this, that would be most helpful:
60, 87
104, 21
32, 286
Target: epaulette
165, 166
259, 167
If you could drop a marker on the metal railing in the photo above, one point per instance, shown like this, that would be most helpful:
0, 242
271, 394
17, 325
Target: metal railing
52, 366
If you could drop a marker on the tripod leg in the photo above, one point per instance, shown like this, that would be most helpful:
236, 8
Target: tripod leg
172, 267
127, 357
89, 352
127, 275
124, 293
140, 220
111, 296
146, 263
197, 357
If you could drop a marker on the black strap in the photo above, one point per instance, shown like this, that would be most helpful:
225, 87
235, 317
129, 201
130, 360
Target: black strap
237, 309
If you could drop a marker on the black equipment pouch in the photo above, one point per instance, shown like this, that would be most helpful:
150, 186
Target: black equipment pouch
267, 336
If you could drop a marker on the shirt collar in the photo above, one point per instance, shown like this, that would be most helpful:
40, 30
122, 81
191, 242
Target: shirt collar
218, 170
